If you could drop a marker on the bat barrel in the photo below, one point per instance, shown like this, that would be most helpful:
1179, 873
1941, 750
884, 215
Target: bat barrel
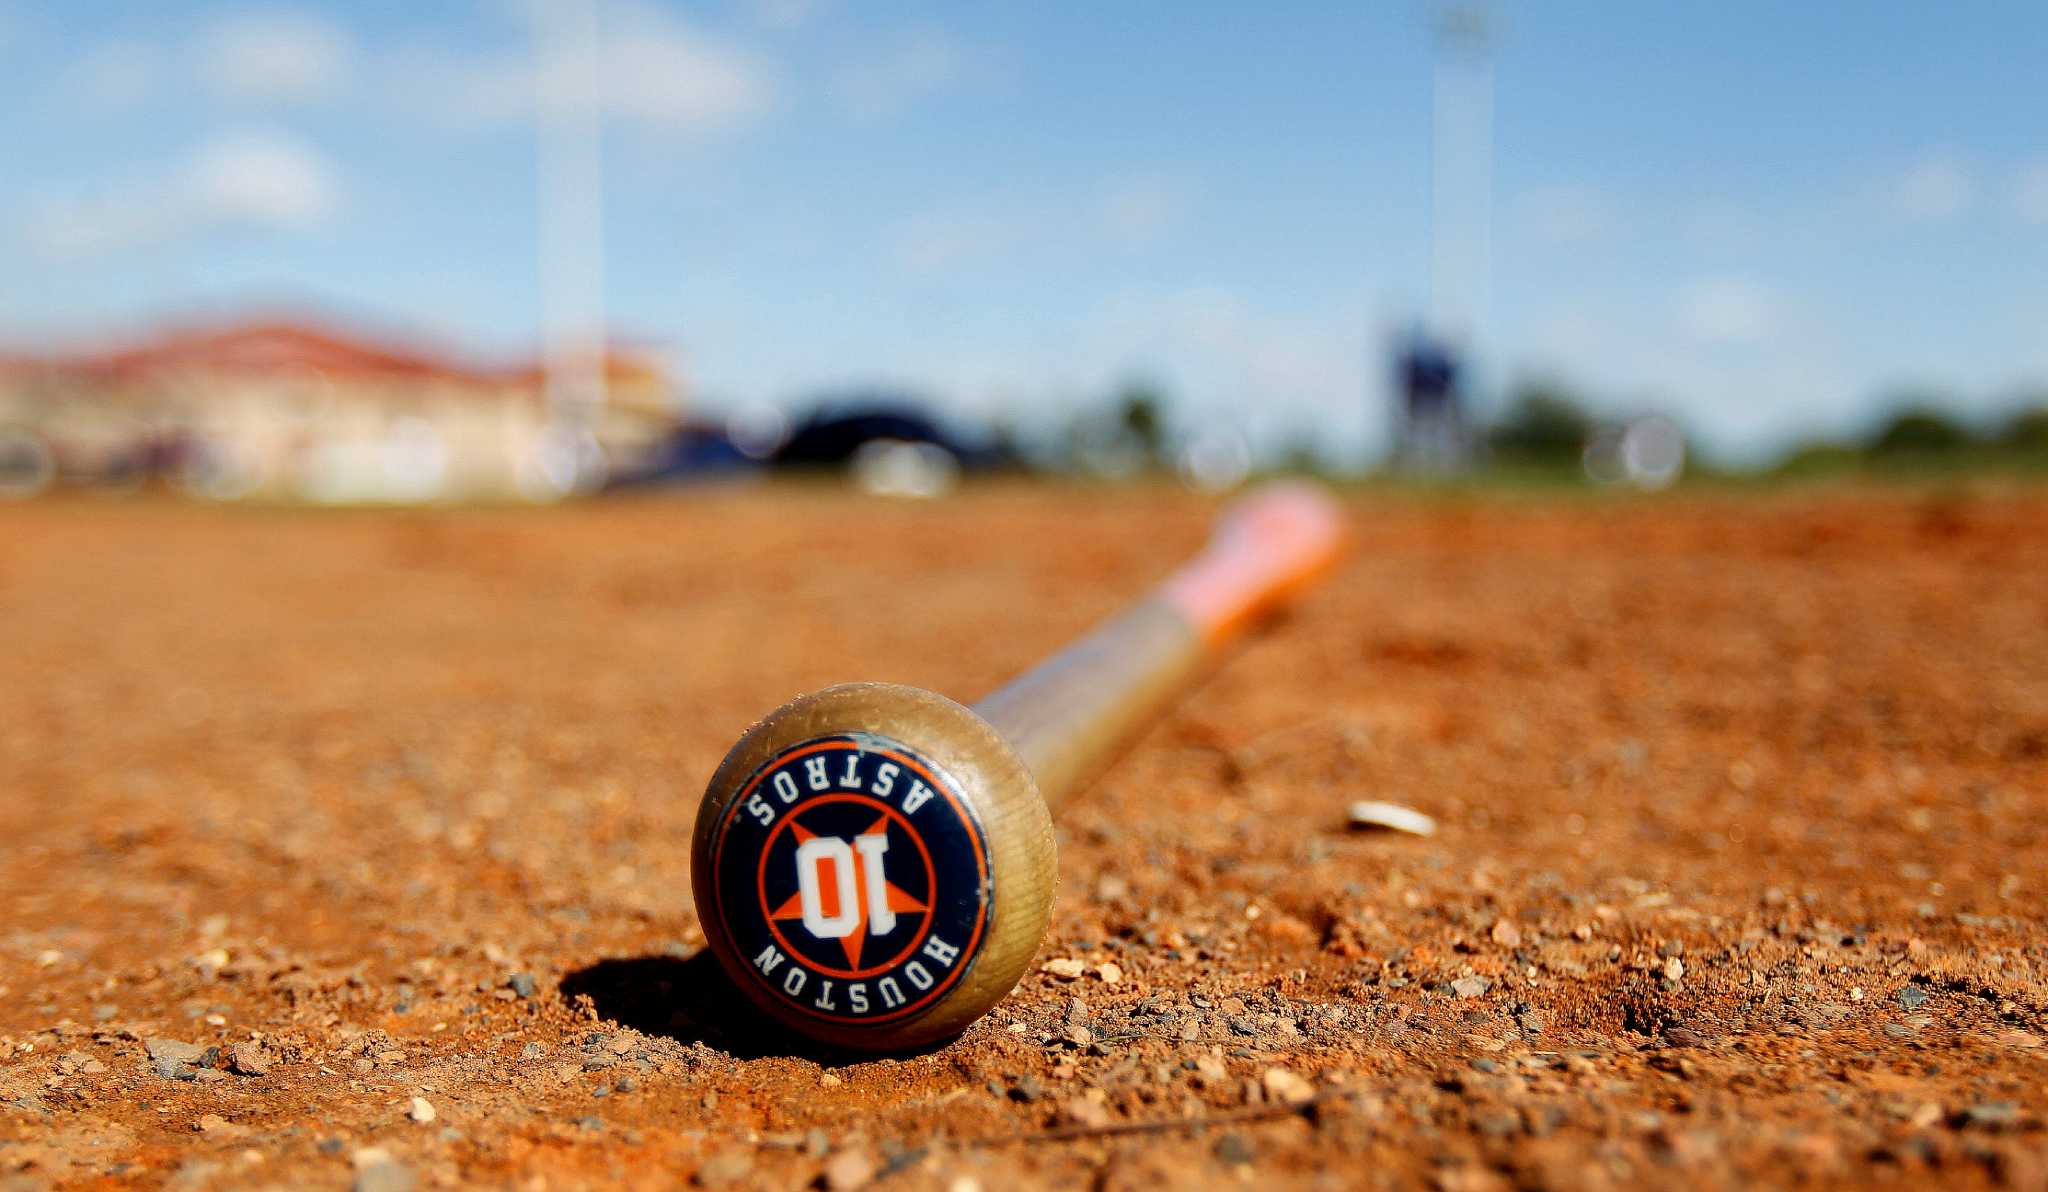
930, 822
1068, 716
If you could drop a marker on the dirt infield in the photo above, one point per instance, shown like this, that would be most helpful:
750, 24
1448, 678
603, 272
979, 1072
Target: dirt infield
1739, 879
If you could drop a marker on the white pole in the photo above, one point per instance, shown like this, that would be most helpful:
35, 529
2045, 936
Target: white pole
571, 160
1461, 176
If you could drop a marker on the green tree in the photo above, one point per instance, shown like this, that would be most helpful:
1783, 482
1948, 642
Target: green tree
1141, 419
1919, 427
1543, 422
2027, 432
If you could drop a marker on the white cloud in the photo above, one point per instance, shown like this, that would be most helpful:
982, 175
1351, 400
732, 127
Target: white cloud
2030, 193
655, 69
258, 56
1727, 311
650, 69
118, 76
277, 55
910, 67
1938, 187
262, 181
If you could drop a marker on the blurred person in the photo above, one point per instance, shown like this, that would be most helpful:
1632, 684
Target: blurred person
1433, 434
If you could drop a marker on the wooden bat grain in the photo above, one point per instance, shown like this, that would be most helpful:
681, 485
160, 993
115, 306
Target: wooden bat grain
1069, 715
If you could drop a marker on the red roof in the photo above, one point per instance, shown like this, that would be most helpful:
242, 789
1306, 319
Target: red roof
283, 346
269, 347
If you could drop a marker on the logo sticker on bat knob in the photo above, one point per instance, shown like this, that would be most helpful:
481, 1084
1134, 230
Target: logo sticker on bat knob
853, 880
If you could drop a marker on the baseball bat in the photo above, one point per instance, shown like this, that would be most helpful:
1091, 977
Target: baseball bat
874, 864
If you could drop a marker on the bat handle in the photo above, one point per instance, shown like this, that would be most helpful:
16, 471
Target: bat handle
1068, 715
1266, 549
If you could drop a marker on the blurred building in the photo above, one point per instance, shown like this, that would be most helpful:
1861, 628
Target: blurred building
294, 410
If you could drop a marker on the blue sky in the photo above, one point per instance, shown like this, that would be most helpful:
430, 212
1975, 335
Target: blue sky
1764, 217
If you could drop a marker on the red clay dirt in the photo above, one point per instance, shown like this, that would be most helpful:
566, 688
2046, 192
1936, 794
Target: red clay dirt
387, 815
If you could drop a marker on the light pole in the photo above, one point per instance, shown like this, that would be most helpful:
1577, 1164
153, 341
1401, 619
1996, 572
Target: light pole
1461, 174
570, 109
1434, 361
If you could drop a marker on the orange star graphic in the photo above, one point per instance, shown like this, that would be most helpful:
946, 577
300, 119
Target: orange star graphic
828, 895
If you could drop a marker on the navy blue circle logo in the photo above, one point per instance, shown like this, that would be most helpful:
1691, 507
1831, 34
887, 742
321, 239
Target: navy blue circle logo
853, 880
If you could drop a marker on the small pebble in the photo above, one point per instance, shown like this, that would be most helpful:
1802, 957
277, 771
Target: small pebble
1087, 1112
1472, 986
184, 1053
1912, 997
248, 1059
171, 1069
1064, 968
1234, 1149
421, 1111
1287, 1088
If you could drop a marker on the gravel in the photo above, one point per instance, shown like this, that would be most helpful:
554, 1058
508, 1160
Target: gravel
1514, 648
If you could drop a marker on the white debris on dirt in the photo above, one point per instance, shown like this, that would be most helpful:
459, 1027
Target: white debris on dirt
1370, 813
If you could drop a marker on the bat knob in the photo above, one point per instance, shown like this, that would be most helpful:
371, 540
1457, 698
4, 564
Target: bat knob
873, 866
